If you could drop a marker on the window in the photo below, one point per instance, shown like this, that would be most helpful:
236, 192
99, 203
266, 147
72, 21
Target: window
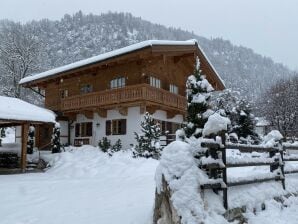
116, 127
64, 93
86, 88
117, 83
83, 129
154, 82
168, 127
173, 89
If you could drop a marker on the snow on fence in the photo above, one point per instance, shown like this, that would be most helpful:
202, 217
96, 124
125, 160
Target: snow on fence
216, 165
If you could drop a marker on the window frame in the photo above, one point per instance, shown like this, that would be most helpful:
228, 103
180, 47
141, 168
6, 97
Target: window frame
63, 93
116, 127
174, 89
119, 82
155, 82
84, 129
86, 88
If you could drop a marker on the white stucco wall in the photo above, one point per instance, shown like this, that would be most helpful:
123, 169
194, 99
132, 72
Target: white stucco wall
133, 121
63, 132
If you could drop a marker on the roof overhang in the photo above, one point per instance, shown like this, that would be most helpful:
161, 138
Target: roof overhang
120, 54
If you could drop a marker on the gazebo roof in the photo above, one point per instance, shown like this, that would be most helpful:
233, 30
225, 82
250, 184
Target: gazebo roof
13, 110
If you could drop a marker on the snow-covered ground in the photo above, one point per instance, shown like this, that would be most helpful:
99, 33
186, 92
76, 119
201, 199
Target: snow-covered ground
9, 135
83, 186
276, 212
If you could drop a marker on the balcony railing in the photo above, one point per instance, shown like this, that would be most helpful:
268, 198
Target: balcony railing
129, 94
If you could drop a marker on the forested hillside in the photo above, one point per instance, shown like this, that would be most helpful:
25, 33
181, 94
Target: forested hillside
80, 36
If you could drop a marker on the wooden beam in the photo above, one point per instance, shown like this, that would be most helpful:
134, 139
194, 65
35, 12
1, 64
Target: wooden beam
171, 114
5, 125
88, 114
101, 112
151, 109
71, 115
142, 109
123, 111
25, 129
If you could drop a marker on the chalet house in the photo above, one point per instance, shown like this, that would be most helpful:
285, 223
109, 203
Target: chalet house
107, 95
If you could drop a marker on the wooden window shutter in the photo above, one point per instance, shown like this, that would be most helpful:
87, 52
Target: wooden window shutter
77, 130
123, 127
169, 127
108, 127
163, 127
89, 129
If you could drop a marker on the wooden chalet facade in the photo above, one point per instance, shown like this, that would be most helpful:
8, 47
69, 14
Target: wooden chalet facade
108, 94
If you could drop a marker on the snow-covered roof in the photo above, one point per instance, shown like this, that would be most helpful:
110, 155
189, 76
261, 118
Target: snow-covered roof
112, 54
13, 109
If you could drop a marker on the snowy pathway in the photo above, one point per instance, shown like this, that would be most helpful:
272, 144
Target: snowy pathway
82, 187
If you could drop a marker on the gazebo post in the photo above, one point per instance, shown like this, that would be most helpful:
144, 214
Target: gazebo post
25, 129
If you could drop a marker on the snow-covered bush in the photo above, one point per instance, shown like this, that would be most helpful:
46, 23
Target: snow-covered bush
179, 169
148, 141
272, 138
117, 146
232, 105
56, 145
215, 124
30, 142
104, 144
198, 94
2, 135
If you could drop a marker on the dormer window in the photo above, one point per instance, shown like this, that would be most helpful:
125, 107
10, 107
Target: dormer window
154, 82
173, 89
86, 88
117, 83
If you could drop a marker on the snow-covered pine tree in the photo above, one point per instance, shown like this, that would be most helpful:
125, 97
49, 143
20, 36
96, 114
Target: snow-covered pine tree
198, 94
2, 135
148, 141
30, 142
245, 121
56, 145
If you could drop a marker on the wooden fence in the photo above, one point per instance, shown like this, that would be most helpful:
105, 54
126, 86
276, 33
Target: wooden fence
216, 168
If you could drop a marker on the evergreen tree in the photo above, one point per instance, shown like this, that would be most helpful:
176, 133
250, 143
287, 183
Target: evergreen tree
56, 145
198, 94
148, 141
3, 134
104, 144
30, 142
116, 147
245, 121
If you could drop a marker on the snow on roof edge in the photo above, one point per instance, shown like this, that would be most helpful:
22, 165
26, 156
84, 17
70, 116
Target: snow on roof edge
18, 110
105, 56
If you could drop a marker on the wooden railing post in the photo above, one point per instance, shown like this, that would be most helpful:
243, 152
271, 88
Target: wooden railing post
25, 129
275, 165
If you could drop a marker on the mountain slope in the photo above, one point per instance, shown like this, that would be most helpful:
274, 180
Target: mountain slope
81, 36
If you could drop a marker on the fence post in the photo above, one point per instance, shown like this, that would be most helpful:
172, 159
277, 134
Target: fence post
282, 163
224, 171
275, 165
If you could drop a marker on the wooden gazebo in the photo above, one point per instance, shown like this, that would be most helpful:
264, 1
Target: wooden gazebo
16, 112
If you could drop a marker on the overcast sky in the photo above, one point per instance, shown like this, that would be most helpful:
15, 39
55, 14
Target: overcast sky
270, 27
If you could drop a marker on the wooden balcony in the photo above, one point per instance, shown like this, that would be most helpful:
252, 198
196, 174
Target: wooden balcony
130, 95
